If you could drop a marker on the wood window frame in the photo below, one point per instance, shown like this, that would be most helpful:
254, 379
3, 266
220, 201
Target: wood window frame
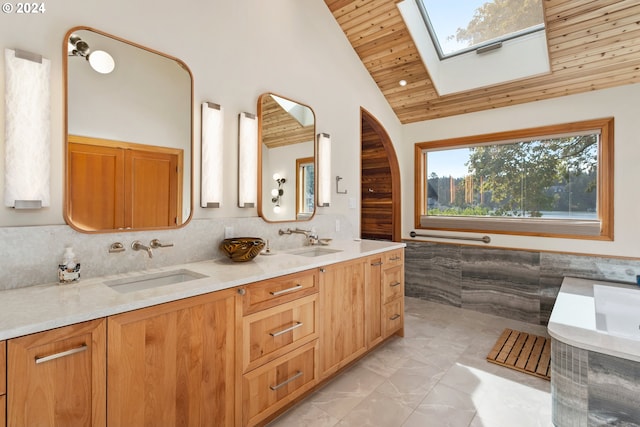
605, 196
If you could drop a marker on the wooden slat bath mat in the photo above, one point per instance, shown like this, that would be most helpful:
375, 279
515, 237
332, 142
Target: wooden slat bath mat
523, 352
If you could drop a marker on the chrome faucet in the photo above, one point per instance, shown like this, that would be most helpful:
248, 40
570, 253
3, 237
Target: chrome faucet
138, 246
311, 235
296, 231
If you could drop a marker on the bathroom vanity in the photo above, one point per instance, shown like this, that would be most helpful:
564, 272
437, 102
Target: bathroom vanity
229, 344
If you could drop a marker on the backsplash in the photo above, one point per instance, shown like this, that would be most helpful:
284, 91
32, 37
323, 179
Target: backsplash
32, 254
517, 284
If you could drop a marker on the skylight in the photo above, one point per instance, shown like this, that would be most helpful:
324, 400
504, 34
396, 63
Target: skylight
458, 26
461, 48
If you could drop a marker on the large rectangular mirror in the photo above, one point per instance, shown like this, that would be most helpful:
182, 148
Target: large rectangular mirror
286, 159
129, 132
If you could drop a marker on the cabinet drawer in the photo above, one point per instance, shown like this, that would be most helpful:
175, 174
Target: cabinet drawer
3, 367
393, 258
392, 284
270, 387
268, 293
271, 333
393, 317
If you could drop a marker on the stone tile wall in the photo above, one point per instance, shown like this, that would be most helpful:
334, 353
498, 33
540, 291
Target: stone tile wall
517, 284
591, 389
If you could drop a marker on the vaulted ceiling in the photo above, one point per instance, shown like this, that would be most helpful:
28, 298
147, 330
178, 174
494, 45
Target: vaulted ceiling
593, 44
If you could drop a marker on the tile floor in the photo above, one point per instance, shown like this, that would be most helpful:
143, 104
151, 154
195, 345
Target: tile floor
436, 375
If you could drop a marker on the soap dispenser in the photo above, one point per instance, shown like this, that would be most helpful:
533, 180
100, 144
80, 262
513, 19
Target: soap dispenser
69, 268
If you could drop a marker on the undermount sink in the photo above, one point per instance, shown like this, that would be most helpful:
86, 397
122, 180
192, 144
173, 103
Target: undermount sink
617, 311
153, 280
315, 251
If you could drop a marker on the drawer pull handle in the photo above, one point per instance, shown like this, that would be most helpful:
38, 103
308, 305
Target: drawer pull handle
395, 258
284, 291
43, 359
284, 331
375, 264
296, 376
394, 317
393, 285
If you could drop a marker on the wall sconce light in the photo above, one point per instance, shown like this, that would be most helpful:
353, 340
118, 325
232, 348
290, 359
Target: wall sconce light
27, 130
324, 169
99, 60
212, 155
247, 160
277, 193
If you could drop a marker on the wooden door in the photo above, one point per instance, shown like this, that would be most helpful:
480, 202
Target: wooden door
380, 183
173, 364
95, 186
342, 292
152, 190
57, 377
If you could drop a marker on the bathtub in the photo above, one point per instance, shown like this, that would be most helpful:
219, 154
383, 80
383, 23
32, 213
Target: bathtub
595, 354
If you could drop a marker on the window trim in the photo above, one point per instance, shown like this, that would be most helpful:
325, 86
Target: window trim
467, 224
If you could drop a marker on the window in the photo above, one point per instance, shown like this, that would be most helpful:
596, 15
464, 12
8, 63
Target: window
549, 181
456, 27
305, 187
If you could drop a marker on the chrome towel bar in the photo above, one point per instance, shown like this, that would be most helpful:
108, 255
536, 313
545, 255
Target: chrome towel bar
485, 239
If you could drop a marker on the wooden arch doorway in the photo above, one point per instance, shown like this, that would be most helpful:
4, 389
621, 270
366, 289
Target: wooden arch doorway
380, 182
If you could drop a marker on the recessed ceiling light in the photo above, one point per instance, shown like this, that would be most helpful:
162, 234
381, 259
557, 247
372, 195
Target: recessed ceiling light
402, 82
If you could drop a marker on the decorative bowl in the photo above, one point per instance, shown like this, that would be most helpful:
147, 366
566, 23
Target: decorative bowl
241, 249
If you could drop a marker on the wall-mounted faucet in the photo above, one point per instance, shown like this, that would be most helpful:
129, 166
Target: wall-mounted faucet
138, 246
311, 235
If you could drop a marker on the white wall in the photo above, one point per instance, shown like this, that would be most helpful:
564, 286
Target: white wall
620, 103
236, 50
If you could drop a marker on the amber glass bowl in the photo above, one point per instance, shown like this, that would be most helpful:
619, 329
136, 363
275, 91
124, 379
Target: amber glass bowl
242, 249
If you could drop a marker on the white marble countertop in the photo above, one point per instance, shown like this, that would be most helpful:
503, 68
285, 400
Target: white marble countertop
38, 308
573, 321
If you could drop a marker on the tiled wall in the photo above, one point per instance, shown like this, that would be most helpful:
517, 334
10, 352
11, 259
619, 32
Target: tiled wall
30, 255
517, 284
593, 389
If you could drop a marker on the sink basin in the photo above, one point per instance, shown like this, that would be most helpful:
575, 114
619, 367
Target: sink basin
617, 311
152, 280
315, 251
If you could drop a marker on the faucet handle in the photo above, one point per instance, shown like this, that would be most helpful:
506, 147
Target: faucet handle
155, 243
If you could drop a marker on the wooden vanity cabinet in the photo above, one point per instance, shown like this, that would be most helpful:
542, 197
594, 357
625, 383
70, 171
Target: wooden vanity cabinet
174, 364
57, 377
393, 293
280, 329
373, 301
342, 314
3, 383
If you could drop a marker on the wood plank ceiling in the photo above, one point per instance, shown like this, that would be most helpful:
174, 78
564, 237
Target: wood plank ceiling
593, 44
279, 128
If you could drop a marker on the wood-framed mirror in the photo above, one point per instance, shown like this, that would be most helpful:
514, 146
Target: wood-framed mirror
287, 184
129, 136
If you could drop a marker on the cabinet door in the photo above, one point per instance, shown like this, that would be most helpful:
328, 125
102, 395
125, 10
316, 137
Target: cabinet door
57, 377
152, 195
373, 294
342, 290
95, 186
173, 364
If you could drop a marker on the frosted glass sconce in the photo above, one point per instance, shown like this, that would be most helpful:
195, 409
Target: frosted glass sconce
324, 169
247, 160
212, 155
27, 130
